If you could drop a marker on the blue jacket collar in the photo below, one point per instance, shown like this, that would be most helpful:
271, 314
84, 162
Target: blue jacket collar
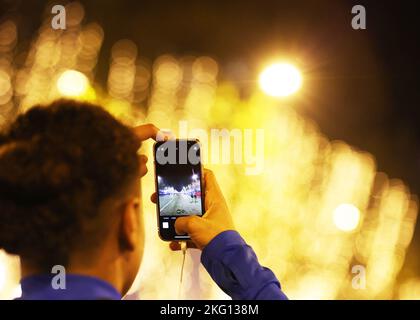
77, 287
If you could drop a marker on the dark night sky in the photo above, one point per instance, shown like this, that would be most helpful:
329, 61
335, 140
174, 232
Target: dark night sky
364, 84
176, 176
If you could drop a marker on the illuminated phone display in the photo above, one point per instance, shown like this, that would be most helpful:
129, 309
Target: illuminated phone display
179, 187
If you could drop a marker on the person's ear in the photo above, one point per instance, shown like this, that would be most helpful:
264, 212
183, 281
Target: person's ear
130, 224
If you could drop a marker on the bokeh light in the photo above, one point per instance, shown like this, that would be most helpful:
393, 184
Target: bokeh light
72, 83
346, 217
280, 80
5, 83
3, 275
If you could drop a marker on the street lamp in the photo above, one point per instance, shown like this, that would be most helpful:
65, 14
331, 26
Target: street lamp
280, 80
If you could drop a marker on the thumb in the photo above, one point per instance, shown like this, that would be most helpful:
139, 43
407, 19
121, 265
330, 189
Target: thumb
186, 224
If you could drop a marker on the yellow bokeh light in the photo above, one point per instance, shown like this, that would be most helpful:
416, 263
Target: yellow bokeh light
3, 275
280, 80
72, 83
346, 217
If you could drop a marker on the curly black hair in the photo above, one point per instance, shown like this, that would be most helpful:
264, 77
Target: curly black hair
58, 164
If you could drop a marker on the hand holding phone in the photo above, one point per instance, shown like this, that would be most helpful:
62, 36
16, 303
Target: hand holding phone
216, 219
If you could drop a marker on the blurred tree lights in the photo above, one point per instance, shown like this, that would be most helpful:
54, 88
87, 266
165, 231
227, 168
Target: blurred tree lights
318, 208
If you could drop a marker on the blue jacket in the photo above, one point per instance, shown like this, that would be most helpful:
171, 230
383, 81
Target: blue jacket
231, 263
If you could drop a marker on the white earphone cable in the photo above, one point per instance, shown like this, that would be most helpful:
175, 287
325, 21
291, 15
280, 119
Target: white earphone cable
184, 251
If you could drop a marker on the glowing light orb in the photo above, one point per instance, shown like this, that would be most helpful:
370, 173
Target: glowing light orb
280, 80
72, 83
346, 217
3, 275
5, 83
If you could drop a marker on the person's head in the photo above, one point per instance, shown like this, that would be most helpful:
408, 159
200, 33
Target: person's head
70, 191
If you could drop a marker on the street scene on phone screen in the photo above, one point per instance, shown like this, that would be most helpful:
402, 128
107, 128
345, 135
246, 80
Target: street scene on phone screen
180, 192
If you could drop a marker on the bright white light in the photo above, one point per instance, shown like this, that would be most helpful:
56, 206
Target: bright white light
3, 275
346, 217
280, 80
194, 176
17, 292
72, 83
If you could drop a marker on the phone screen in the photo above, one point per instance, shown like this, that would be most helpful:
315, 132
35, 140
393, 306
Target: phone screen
178, 184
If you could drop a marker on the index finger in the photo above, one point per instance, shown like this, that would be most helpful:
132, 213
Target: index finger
146, 131
212, 189
210, 182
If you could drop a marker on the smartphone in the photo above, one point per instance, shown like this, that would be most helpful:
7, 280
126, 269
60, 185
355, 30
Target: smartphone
179, 184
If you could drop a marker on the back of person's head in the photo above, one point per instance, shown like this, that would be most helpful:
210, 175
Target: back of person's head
60, 167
